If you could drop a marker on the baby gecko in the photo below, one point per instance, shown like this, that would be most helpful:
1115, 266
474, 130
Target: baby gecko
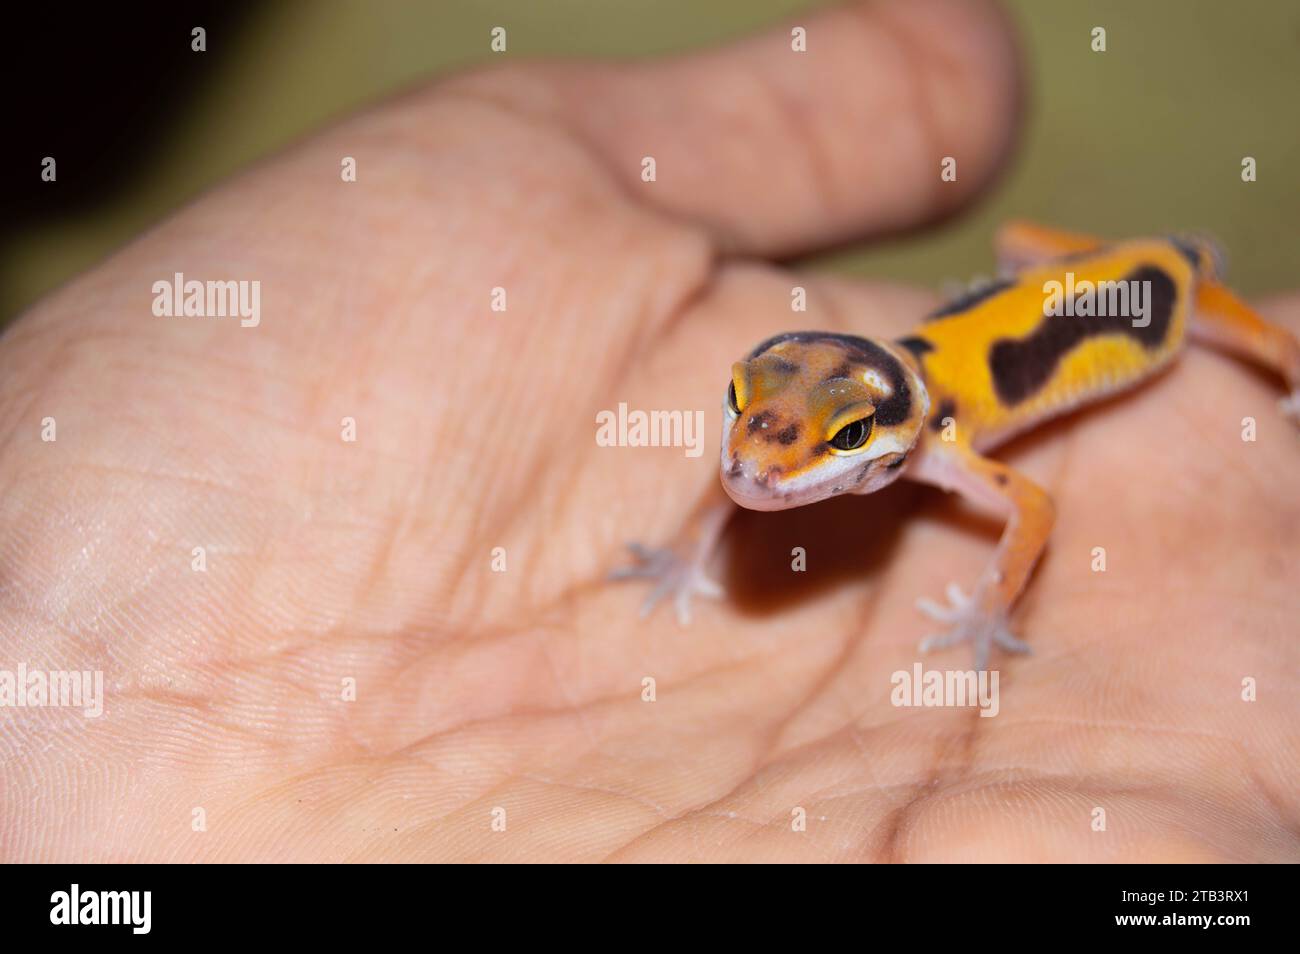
812, 414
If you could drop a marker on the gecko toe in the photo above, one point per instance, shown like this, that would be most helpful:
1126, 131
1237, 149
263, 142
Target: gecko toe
673, 575
946, 614
969, 622
941, 640
1010, 642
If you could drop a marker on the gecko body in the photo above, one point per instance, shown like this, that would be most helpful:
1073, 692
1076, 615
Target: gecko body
812, 414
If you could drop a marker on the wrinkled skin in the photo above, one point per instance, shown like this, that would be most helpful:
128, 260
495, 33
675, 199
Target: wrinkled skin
371, 560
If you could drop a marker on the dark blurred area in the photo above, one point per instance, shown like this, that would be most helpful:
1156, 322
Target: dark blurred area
98, 88
1144, 138
105, 90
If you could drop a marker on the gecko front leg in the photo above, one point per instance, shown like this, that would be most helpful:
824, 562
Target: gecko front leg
678, 567
982, 618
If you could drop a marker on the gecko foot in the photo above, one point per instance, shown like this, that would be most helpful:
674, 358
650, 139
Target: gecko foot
676, 577
970, 623
1290, 407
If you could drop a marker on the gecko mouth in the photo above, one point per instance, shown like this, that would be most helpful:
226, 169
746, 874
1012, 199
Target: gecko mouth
773, 488
768, 491
753, 496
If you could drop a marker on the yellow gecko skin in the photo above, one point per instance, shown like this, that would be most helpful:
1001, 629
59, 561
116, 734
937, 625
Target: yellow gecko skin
1006, 366
811, 415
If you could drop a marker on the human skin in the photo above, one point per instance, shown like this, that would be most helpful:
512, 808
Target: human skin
371, 560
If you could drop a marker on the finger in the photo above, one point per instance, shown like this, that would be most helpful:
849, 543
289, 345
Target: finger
777, 151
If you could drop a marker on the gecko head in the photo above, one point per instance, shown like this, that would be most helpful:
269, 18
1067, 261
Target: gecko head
812, 414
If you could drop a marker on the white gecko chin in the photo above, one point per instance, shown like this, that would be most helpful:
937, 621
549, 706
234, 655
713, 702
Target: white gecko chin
752, 497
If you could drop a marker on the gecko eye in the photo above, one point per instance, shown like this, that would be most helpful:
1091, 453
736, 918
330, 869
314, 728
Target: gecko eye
850, 428
738, 390
852, 435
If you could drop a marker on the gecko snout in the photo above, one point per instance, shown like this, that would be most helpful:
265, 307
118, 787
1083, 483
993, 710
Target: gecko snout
755, 484
747, 471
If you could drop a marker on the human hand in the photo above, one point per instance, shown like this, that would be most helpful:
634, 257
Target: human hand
371, 560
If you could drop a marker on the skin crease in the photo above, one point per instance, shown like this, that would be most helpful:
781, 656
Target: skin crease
521, 690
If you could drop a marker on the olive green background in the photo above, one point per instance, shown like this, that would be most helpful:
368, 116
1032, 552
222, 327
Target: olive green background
1145, 138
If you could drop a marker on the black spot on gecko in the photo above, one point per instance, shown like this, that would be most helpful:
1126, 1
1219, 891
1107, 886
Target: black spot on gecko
1204, 254
947, 408
787, 435
1186, 249
975, 296
1021, 367
916, 344
1000, 479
